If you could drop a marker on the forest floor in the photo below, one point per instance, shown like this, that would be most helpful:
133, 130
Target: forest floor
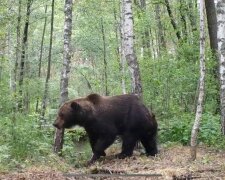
171, 163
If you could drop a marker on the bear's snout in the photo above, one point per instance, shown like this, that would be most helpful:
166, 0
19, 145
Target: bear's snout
56, 125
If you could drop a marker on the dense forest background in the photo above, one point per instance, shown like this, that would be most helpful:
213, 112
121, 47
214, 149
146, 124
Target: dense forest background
166, 45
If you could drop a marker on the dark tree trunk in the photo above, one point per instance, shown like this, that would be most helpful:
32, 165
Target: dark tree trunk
41, 52
23, 55
15, 69
45, 96
104, 58
212, 24
142, 14
172, 19
212, 29
183, 19
146, 37
191, 15
161, 39
18, 43
119, 49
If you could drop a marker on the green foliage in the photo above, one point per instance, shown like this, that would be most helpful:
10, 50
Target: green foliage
76, 153
76, 135
76, 148
22, 141
177, 129
210, 131
170, 87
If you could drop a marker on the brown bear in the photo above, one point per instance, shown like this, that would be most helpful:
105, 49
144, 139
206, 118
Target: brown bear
106, 117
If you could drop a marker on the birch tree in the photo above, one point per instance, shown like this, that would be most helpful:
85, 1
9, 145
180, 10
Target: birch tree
128, 45
59, 134
221, 55
199, 109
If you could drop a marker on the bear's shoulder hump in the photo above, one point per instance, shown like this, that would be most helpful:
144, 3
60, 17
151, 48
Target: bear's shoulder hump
94, 98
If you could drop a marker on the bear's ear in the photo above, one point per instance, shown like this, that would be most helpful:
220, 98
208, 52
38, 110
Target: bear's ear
75, 106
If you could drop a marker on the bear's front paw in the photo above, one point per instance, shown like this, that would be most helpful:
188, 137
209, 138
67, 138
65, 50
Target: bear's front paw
103, 154
121, 156
93, 159
152, 152
90, 162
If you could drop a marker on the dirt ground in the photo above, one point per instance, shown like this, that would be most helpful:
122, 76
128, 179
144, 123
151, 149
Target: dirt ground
171, 163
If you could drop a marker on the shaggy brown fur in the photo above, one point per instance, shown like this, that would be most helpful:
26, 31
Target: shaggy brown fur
104, 118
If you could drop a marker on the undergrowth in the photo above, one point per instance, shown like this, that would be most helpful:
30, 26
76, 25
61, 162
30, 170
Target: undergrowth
23, 143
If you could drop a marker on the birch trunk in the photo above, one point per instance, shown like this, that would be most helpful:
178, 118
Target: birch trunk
59, 134
221, 55
128, 41
198, 115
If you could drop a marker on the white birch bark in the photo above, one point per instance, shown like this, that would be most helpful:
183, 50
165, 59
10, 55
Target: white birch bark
221, 54
59, 134
198, 115
67, 52
128, 40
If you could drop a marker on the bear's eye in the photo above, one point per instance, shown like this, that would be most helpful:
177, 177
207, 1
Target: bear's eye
82, 113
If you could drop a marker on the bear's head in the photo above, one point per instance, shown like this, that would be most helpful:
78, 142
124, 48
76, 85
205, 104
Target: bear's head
72, 113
